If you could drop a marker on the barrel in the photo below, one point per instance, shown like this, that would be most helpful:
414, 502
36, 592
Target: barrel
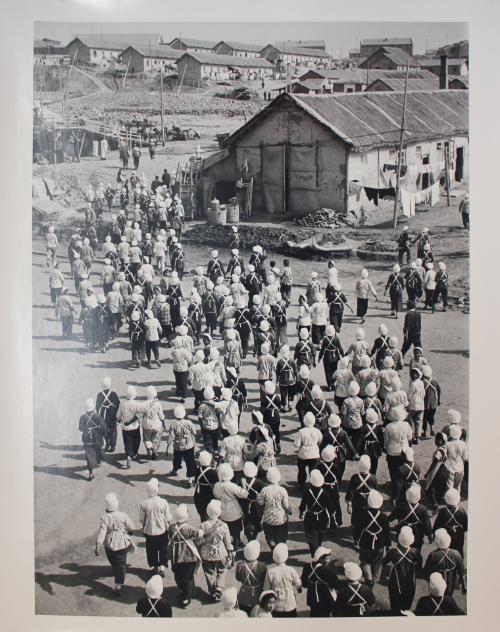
233, 213
216, 218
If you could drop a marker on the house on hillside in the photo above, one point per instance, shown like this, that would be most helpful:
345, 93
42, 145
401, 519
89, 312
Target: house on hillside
388, 58
283, 54
48, 51
340, 151
398, 85
238, 49
150, 58
94, 50
369, 46
192, 45
194, 68
456, 67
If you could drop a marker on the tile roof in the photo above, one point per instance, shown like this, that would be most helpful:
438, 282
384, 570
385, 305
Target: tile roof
283, 47
118, 41
397, 85
195, 43
229, 60
387, 41
251, 48
162, 51
366, 120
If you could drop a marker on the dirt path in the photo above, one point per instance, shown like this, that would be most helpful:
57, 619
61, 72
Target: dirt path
103, 88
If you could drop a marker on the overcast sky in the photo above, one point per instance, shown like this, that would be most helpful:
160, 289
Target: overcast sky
339, 36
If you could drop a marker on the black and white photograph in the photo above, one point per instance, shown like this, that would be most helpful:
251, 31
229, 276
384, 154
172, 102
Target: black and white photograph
250, 318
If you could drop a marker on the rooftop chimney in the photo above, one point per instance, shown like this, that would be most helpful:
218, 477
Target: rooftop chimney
443, 73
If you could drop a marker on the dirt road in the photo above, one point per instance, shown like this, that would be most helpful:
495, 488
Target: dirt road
69, 578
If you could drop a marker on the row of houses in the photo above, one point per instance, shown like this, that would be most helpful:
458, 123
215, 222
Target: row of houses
340, 151
327, 81
102, 50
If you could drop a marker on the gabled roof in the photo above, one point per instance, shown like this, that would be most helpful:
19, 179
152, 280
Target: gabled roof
119, 41
214, 59
396, 55
463, 80
387, 41
431, 62
160, 51
194, 43
250, 48
366, 120
285, 48
359, 75
306, 43
397, 85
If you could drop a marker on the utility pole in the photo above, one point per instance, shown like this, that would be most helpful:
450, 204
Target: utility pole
447, 173
401, 137
161, 108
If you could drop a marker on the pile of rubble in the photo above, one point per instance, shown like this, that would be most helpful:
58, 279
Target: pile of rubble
323, 218
129, 105
271, 238
379, 245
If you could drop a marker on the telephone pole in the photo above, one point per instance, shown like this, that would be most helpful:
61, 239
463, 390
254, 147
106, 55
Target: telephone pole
161, 108
401, 138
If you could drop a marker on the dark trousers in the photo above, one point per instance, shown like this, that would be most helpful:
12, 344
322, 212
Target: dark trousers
428, 419
152, 346
286, 293
181, 383
156, 549
54, 293
414, 339
137, 351
210, 440
314, 539
198, 398
356, 436
371, 563
318, 333
111, 434
274, 424
106, 288
188, 457
67, 326
330, 366
336, 321
286, 393
278, 614
184, 578
118, 561
131, 442
429, 298
235, 527
393, 465
275, 534
401, 255
441, 292
211, 321
303, 465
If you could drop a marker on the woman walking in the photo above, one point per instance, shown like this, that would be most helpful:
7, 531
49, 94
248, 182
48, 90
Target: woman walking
364, 288
115, 528
93, 431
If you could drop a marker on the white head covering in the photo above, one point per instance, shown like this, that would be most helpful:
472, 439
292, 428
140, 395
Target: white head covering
153, 485
316, 478
225, 472
280, 553
328, 453
229, 598
250, 469
154, 587
251, 551
111, 502
89, 405
320, 552
406, 537
437, 585
364, 464
273, 475
309, 420
214, 509
452, 497
442, 539
181, 513
375, 500
352, 571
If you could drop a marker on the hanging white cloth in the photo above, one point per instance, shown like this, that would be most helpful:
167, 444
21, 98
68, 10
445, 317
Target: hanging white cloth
408, 203
435, 193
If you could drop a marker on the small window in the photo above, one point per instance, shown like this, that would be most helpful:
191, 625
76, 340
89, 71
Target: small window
94, 53
392, 155
418, 150
439, 146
